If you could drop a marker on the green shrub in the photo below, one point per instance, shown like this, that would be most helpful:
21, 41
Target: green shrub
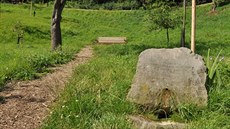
24, 74
61, 57
39, 62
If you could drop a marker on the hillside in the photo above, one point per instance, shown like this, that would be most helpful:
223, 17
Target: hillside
96, 94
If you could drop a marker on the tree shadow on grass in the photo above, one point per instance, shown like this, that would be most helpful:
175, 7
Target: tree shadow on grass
5, 11
136, 49
202, 48
37, 32
126, 49
224, 3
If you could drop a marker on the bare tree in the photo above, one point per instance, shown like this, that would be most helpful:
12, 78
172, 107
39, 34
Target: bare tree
56, 39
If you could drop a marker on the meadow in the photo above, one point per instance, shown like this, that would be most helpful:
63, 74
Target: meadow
96, 95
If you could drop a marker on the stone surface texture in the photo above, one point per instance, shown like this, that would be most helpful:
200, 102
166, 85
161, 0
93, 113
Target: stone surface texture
143, 123
168, 77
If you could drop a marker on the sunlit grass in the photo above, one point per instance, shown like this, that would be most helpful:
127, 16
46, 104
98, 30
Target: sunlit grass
96, 95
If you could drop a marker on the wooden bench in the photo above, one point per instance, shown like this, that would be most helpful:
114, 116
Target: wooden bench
111, 40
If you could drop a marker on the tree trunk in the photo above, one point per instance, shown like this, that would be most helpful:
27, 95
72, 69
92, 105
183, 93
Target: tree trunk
167, 32
213, 6
183, 26
56, 39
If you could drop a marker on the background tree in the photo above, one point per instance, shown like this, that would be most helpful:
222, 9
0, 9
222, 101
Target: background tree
216, 3
162, 17
56, 39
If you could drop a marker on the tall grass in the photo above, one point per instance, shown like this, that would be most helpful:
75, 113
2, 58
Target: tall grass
96, 96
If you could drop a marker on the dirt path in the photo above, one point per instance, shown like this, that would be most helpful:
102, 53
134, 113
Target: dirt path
28, 102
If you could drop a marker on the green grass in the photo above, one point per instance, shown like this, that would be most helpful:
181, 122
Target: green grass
96, 97
23, 61
96, 94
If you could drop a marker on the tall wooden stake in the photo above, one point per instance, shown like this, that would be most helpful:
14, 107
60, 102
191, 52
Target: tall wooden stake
193, 28
31, 7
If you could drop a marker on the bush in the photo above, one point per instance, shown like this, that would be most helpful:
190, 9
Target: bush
61, 57
24, 74
39, 62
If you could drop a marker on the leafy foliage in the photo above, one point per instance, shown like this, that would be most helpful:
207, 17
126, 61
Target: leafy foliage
162, 17
40, 63
220, 2
213, 69
18, 28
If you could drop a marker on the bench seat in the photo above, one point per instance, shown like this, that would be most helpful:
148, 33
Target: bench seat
111, 40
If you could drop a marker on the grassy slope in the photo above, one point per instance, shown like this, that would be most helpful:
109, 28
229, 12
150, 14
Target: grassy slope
95, 97
15, 60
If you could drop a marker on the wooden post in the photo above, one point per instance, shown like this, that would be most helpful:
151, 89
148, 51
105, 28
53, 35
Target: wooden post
31, 7
193, 28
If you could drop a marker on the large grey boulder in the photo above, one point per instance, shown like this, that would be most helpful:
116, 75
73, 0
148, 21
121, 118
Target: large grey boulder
167, 77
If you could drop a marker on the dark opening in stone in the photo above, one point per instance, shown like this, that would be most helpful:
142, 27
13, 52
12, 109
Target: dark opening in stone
166, 97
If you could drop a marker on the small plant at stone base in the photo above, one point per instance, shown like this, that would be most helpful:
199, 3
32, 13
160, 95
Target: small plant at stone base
213, 70
188, 112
